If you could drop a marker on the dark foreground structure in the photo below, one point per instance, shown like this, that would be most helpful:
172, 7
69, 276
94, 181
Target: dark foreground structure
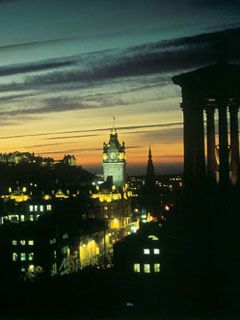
203, 251
210, 89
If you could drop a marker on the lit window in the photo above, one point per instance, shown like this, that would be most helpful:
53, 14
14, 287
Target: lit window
49, 207
65, 236
41, 208
54, 269
14, 242
55, 254
156, 267
23, 256
14, 256
30, 256
52, 241
31, 268
146, 251
30, 242
23, 269
23, 242
146, 268
31, 208
156, 251
35, 208
22, 218
31, 217
136, 267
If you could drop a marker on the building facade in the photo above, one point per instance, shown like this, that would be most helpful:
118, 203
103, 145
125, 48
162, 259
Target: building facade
30, 249
140, 252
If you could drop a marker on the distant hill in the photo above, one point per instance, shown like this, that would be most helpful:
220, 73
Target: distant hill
43, 178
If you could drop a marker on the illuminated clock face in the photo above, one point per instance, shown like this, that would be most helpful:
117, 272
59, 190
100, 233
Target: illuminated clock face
112, 155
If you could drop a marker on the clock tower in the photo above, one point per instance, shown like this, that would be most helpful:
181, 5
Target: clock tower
114, 160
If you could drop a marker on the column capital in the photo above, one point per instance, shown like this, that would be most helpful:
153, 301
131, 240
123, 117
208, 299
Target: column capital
210, 103
233, 108
209, 110
193, 104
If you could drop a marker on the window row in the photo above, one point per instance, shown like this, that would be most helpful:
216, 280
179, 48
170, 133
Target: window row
25, 218
23, 242
148, 251
23, 256
146, 268
40, 208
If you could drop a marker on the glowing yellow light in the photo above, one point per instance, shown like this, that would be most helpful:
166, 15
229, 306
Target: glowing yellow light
46, 197
149, 217
31, 268
88, 253
61, 195
115, 224
16, 197
121, 156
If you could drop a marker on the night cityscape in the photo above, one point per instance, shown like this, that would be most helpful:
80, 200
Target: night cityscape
119, 159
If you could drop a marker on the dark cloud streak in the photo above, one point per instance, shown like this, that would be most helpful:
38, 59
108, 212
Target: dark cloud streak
82, 150
160, 125
34, 67
155, 58
162, 59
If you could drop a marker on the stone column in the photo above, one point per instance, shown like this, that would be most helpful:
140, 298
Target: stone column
194, 157
188, 143
211, 143
198, 144
234, 139
223, 145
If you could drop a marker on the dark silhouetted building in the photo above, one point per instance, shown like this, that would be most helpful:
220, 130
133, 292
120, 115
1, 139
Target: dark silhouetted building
32, 247
140, 252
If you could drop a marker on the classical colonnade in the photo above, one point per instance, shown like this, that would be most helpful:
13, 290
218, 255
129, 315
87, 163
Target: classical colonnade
213, 90
196, 163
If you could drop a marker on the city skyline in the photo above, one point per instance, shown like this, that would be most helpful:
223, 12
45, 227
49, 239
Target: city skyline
68, 67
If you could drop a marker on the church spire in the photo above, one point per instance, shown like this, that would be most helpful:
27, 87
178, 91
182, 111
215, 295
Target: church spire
150, 176
150, 194
149, 153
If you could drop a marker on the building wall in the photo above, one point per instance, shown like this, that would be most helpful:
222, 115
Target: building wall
116, 170
28, 250
95, 249
138, 253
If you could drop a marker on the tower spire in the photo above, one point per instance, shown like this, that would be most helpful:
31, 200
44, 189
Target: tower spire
150, 190
149, 153
113, 131
114, 159
150, 177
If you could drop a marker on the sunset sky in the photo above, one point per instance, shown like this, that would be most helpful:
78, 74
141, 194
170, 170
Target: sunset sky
68, 66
